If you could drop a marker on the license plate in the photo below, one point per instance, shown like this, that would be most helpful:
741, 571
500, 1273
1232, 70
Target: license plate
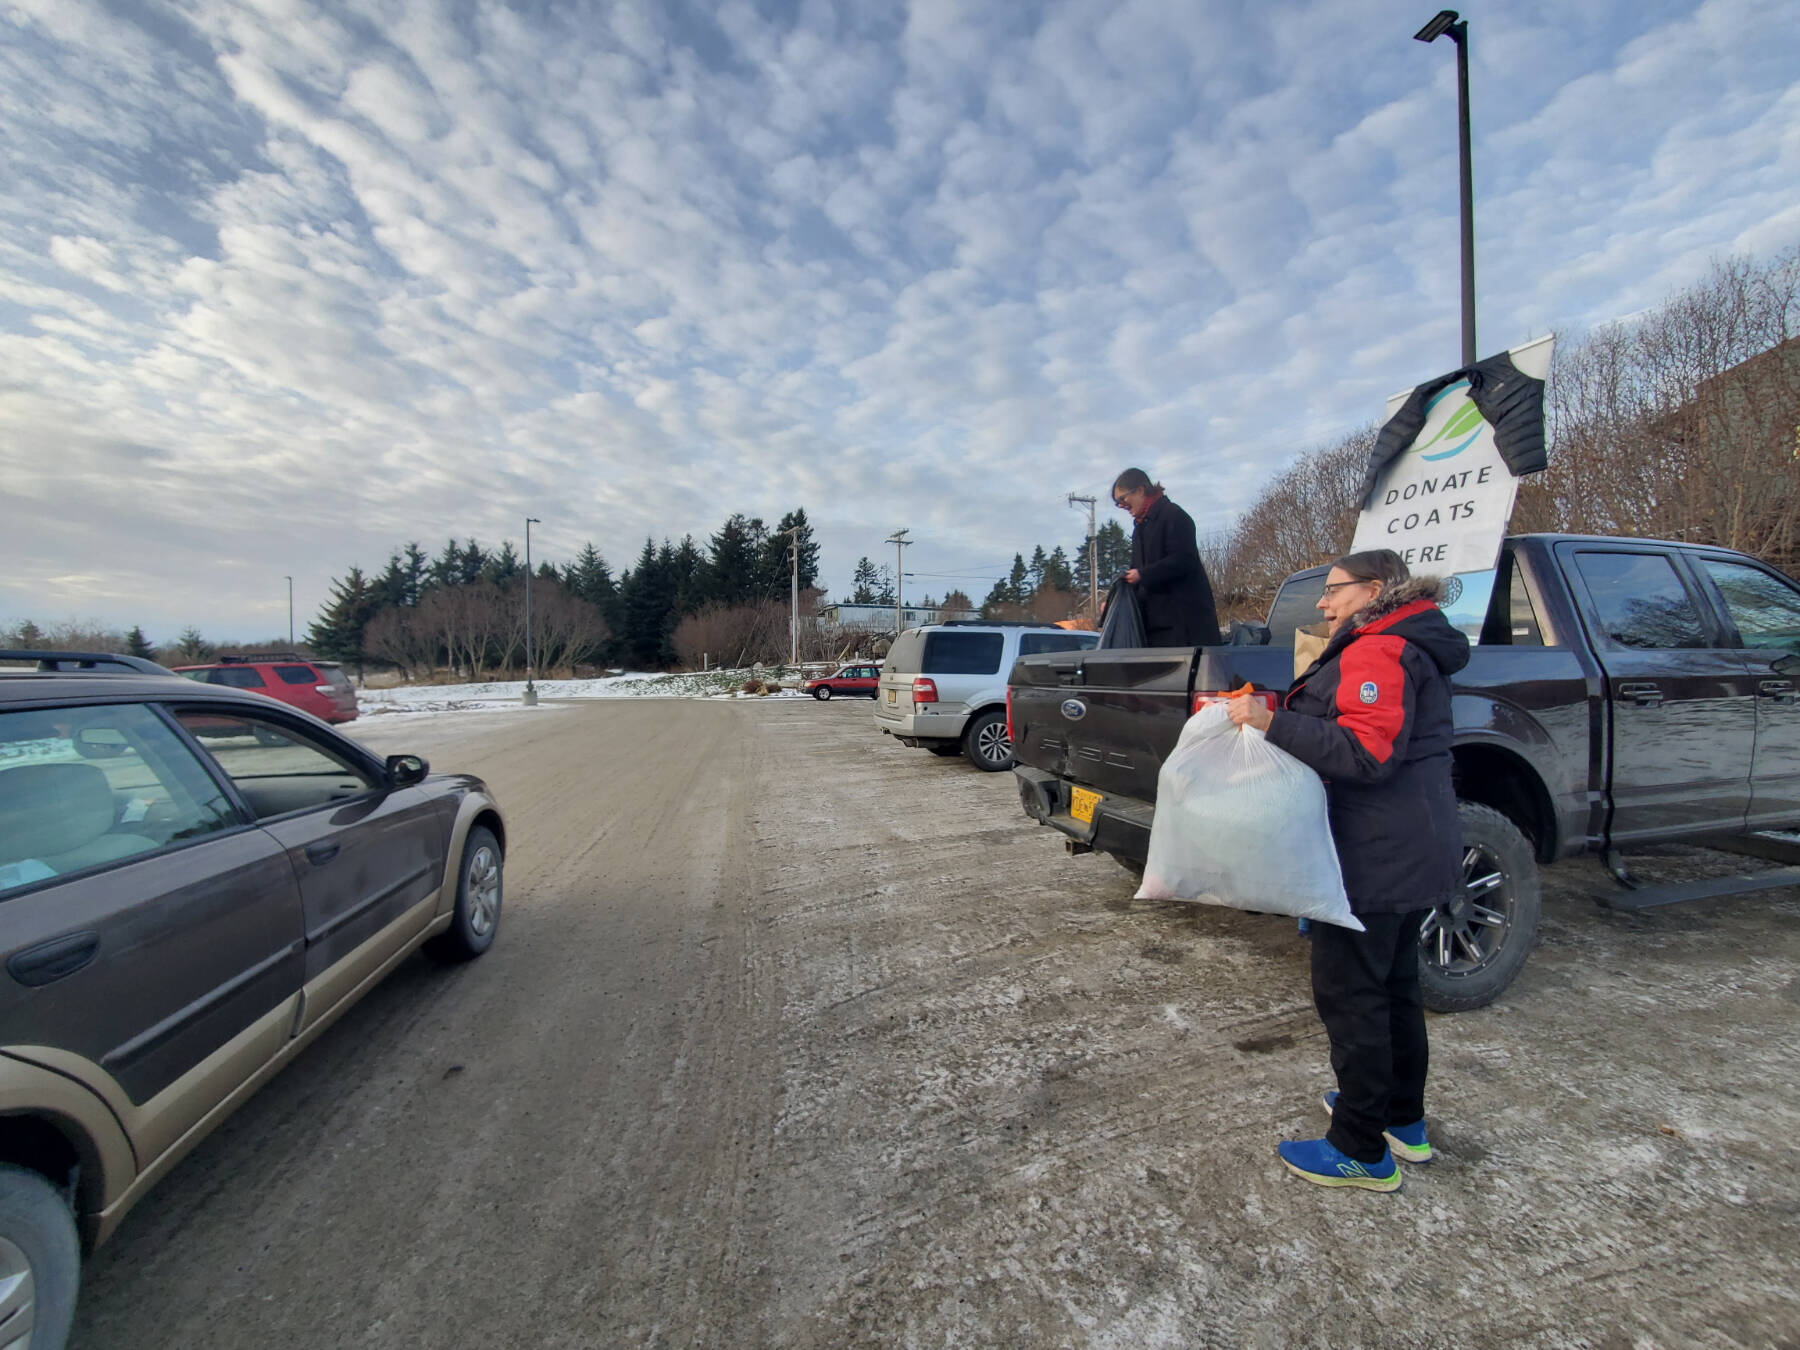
891, 696
1082, 804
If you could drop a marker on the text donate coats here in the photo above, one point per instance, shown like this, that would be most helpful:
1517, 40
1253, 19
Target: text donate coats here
1173, 591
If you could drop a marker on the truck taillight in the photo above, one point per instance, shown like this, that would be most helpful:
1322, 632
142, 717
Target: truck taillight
1201, 699
1009, 727
925, 691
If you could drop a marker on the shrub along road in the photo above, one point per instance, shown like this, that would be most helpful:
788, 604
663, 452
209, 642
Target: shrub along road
795, 1037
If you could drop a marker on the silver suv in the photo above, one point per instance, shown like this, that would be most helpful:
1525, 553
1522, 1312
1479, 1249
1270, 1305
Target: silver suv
944, 686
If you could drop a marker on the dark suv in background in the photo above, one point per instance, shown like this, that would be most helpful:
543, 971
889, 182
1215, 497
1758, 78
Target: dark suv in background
318, 687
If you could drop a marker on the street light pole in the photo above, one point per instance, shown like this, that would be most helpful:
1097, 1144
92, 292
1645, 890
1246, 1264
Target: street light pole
1093, 556
290, 582
899, 540
530, 695
1447, 22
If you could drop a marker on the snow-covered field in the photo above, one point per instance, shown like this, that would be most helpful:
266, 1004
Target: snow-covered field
502, 695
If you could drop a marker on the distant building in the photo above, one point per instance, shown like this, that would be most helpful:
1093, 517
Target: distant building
880, 618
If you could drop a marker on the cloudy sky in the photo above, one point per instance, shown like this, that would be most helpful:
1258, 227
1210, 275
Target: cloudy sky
284, 283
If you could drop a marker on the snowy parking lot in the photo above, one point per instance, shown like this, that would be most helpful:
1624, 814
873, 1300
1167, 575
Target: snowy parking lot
795, 1037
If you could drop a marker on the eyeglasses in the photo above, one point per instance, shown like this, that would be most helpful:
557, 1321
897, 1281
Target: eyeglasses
1331, 586
1123, 503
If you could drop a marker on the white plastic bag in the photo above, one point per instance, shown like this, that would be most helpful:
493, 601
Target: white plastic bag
1242, 823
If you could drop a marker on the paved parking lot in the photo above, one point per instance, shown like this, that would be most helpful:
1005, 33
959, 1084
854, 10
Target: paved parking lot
796, 1037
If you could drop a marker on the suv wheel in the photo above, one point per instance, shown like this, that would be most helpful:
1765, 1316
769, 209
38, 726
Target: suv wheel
822, 693
40, 1260
986, 743
1471, 949
476, 917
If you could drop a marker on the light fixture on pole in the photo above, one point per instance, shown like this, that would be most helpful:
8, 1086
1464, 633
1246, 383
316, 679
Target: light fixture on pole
900, 542
1093, 556
530, 696
1447, 21
290, 582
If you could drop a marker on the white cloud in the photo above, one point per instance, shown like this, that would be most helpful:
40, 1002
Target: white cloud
287, 284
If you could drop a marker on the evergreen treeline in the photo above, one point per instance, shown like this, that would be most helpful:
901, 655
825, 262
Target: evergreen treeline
465, 607
1050, 586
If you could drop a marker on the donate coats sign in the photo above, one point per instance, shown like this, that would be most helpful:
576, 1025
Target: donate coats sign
1444, 502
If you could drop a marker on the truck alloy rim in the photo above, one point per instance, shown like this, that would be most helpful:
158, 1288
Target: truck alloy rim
1464, 936
993, 742
18, 1296
484, 890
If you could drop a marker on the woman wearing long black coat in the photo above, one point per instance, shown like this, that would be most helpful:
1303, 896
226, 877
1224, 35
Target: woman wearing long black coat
1172, 588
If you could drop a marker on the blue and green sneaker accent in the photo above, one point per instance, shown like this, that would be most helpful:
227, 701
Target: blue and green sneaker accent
1323, 1164
1405, 1142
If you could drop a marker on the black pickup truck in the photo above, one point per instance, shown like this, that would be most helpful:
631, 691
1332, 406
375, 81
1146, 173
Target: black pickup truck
1622, 692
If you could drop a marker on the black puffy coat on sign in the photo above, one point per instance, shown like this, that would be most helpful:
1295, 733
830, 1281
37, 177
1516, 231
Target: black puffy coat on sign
1372, 718
1173, 591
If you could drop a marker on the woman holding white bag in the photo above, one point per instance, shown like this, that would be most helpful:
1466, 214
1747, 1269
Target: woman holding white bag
1372, 717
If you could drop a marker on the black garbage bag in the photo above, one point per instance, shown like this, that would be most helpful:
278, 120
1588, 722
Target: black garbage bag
1123, 625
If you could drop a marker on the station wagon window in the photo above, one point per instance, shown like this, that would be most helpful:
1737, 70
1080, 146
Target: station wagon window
1765, 609
1030, 644
1641, 602
235, 677
277, 770
952, 653
80, 787
296, 674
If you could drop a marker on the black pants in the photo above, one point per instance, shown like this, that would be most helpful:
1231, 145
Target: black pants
1366, 988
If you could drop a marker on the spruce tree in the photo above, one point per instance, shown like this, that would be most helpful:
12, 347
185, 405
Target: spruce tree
1018, 584
136, 644
776, 566
1057, 575
733, 555
337, 634
863, 582
503, 566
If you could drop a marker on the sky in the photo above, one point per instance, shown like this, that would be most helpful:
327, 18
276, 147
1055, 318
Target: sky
286, 283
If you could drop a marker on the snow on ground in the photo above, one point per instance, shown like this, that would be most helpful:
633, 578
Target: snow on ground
502, 695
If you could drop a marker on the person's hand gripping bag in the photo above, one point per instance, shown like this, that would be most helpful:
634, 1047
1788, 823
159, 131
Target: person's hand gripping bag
1242, 823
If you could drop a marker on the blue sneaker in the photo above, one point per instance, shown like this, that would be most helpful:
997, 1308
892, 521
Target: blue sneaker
1317, 1161
1406, 1142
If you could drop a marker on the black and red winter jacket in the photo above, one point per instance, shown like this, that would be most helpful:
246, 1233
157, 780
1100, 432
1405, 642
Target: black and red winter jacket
1372, 717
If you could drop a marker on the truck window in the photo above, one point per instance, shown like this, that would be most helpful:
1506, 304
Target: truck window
1511, 619
1296, 606
1030, 644
952, 653
1641, 602
1765, 608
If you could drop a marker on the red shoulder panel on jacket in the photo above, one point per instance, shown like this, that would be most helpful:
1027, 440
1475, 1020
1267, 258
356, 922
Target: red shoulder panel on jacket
1371, 692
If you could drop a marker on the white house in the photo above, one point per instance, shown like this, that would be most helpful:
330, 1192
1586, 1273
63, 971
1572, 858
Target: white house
880, 618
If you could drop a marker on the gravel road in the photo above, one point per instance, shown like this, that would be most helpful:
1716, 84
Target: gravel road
794, 1037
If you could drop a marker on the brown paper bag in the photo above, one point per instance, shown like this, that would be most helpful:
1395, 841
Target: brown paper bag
1309, 645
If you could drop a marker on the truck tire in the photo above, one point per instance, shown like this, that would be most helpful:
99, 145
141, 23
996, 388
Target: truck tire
1471, 949
986, 743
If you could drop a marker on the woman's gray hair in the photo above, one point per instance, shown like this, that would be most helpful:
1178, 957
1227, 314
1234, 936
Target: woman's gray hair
1375, 564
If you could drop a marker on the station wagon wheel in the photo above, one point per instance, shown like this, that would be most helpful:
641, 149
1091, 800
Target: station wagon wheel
1472, 947
988, 746
822, 693
479, 892
40, 1260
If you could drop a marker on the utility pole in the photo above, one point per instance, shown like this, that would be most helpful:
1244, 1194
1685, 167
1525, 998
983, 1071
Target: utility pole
899, 540
1093, 556
529, 698
290, 582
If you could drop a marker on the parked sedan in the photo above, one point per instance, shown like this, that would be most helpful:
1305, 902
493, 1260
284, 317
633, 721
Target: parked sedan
195, 882
861, 681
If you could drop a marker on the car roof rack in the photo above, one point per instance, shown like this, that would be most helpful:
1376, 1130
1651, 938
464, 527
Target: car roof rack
85, 663
999, 623
239, 658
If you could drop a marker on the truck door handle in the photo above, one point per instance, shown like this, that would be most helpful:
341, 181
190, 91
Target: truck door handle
322, 852
1782, 691
50, 961
1644, 695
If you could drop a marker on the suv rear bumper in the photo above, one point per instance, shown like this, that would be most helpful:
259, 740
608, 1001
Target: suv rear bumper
1121, 825
910, 728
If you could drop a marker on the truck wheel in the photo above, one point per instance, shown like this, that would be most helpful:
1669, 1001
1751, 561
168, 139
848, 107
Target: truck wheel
986, 743
40, 1259
1471, 949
